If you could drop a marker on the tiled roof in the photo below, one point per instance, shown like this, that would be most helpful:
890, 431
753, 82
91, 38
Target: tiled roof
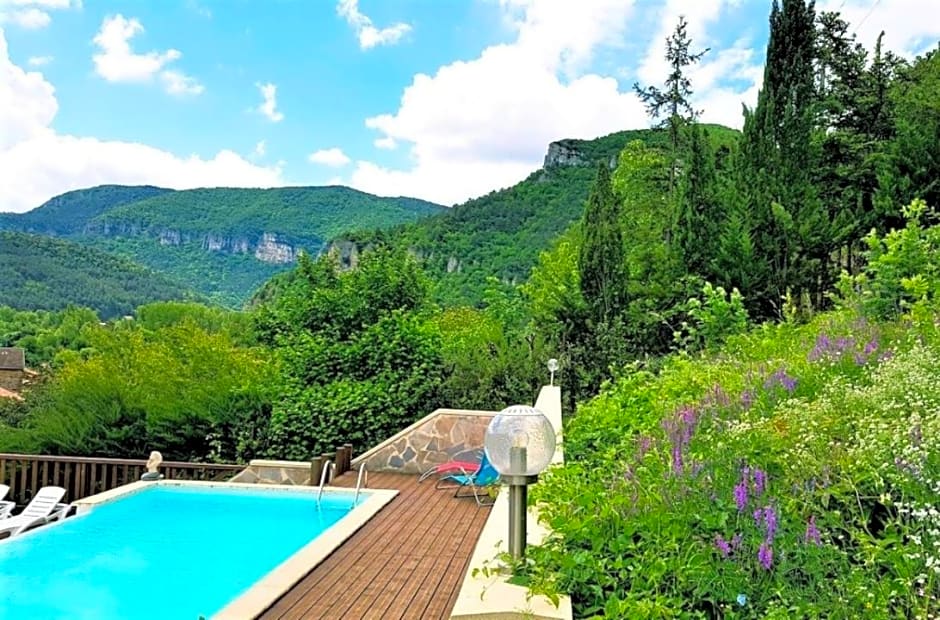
12, 358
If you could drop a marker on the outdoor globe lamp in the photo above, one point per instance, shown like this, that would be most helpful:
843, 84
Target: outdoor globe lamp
520, 443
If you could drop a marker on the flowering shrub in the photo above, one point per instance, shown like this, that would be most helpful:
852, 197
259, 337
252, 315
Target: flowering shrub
795, 473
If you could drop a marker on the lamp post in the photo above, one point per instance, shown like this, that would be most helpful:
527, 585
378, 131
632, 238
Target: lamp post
520, 443
552, 367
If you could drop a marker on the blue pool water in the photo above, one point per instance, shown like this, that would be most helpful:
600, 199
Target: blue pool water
164, 552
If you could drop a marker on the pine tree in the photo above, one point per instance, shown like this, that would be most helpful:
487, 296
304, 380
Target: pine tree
601, 262
674, 100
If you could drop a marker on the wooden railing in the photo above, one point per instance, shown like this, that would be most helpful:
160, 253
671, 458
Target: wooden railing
83, 476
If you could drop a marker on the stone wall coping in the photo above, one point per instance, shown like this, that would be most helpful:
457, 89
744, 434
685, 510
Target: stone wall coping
434, 414
284, 464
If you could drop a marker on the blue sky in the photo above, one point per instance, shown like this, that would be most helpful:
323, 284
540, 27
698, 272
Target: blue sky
440, 99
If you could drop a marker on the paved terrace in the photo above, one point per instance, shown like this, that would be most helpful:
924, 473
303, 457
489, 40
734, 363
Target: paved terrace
407, 562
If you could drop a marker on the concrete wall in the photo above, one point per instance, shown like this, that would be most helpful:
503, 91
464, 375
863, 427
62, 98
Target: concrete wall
444, 435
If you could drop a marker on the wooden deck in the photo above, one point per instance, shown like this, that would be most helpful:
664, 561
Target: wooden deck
407, 562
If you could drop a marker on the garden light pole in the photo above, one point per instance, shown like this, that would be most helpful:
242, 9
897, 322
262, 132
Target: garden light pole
520, 443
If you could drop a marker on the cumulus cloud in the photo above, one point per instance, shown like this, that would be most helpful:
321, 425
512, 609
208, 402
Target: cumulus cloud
30, 19
369, 36
118, 62
32, 14
38, 163
911, 26
261, 148
385, 143
39, 61
334, 157
485, 123
268, 106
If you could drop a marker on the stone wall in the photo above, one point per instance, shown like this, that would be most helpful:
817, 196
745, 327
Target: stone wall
275, 472
445, 435
12, 380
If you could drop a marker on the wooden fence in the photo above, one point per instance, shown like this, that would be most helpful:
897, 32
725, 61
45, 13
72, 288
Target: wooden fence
82, 476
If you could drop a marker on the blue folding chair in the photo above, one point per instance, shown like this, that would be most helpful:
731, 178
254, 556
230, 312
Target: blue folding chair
484, 476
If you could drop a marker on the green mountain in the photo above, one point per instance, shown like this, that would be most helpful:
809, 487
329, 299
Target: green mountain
68, 213
222, 242
38, 272
502, 233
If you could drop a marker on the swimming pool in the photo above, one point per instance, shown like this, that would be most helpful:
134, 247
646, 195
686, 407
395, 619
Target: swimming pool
172, 551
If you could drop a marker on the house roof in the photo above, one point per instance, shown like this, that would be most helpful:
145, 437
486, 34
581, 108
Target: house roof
8, 394
12, 358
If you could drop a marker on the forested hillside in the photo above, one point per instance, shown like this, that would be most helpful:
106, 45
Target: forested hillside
68, 213
501, 234
222, 242
39, 272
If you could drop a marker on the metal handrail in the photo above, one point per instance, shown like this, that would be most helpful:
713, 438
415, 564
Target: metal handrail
359, 482
328, 467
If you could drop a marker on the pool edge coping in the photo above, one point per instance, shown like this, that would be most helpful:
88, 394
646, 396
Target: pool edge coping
278, 581
267, 590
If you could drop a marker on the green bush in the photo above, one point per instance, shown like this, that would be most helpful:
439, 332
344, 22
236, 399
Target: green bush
788, 475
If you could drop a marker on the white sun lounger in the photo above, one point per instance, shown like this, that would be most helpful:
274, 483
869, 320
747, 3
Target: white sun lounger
43, 508
6, 507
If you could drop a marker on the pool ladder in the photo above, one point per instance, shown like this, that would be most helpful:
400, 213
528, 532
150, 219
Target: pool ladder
329, 468
361, 480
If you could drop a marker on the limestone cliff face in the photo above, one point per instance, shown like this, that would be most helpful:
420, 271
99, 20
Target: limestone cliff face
562, 154
268, 248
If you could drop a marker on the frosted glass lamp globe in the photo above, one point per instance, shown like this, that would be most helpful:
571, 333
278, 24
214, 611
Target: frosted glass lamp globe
519, 441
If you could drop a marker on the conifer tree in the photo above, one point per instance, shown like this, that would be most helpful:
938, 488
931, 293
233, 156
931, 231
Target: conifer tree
674, 100
600, 262
777, 163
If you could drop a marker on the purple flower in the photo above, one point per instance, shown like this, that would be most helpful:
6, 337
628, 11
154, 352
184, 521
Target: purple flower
870, 347
677, 465
722, 545
760, 482
736, 541
812, 532
770, 522
781, 378
740, 495
765, 555
860, 359
747, 399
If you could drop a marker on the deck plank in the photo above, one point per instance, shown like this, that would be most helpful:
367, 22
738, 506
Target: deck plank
407, 562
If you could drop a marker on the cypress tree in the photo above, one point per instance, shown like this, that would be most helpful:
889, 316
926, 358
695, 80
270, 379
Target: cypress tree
600, 261
777, 162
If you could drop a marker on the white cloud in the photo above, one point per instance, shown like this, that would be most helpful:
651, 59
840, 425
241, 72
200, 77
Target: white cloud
385, 143
485, 123
39, 61
32, 14
370, 36
261, 148
30, 19
177, 83
268, 107
38, 163
911, 26
334, 157
117, 62
46, 4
